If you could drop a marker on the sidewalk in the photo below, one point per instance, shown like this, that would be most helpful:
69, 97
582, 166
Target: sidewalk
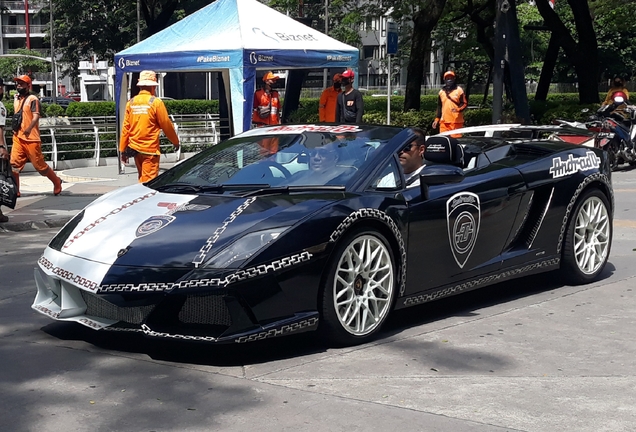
38, 208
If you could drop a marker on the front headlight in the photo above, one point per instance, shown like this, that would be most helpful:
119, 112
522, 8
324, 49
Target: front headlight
244, 248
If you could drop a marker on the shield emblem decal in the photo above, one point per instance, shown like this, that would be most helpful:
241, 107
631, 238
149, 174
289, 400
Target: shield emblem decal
463, 216
153, 224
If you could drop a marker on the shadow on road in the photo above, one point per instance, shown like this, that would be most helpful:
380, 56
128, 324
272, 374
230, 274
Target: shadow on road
306, 343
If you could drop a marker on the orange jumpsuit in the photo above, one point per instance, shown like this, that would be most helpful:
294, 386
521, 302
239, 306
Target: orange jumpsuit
327, 105
28, 148
146, 116
450, 106
271, 100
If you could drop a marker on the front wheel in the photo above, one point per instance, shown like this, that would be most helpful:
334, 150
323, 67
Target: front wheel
588, 239
359, 289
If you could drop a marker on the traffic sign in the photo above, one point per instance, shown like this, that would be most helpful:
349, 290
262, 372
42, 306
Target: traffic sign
391, 38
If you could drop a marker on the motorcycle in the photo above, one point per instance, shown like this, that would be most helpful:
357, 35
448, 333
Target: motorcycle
616, 132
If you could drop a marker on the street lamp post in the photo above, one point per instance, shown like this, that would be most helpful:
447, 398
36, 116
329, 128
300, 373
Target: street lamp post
53, 65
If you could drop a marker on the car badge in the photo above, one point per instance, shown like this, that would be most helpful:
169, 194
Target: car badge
153, 224
463, 215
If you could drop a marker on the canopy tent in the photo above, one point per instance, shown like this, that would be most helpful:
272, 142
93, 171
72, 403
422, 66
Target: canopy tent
236, 38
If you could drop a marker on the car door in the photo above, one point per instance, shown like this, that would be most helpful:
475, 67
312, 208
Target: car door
460, 230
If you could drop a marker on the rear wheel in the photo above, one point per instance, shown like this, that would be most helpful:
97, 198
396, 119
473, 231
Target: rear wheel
359, 289
588, 239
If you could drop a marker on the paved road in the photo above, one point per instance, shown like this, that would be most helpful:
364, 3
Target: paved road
526, 355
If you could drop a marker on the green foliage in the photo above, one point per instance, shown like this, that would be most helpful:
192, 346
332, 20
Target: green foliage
192, 106
90, 109
569, 112
13, 66
53, 110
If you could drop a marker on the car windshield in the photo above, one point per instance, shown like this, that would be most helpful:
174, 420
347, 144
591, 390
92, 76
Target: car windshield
262, 160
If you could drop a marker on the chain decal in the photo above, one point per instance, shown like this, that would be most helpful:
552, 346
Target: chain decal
68, 275
149, 332
205, 249
238, 276
46, 311
99, 220
593, 177
424, 298
380, 215
280, 331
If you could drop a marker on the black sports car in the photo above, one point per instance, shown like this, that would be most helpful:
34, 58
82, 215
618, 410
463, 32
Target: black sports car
291, 228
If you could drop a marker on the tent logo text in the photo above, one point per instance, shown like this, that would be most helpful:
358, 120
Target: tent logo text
213, 59
339, 58
255, 58
296, 38
123, 63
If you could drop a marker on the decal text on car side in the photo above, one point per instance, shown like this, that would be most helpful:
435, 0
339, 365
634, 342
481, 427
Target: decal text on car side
562, 168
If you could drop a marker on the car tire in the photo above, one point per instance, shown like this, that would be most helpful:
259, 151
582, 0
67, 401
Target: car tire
588, 239
359, 290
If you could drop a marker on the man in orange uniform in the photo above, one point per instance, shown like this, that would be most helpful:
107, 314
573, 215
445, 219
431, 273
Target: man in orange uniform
450, 105
27, 145
329, 100
266, 103
146, 116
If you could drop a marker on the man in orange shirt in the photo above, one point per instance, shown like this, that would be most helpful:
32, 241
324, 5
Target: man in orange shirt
329, 100
266, 103
450, 105
146, 116
27, 145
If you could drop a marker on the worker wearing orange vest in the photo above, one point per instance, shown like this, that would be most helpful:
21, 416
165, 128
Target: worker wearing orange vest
146, 116
329, 100
450, 105
27, 144
266, 103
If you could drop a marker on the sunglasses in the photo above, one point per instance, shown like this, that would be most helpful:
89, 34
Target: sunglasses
407, 148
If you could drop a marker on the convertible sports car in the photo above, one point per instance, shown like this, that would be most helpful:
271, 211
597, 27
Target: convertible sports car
292, 228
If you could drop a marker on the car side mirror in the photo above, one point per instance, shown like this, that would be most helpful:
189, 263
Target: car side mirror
438, 175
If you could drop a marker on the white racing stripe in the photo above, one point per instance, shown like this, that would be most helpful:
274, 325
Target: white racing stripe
110, 225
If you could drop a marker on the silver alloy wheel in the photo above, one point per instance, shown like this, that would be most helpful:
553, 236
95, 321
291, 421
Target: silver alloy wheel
591, 235
363, 285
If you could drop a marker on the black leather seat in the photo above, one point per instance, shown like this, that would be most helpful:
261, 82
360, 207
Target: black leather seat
444, 150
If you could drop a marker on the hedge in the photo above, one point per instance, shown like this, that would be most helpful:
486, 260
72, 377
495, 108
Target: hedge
557, 106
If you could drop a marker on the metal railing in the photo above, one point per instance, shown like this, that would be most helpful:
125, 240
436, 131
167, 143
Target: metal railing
21, 29
95, 138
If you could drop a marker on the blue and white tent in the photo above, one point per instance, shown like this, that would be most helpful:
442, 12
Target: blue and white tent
236, 38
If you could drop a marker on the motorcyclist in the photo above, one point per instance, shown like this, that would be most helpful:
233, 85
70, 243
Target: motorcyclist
618, 85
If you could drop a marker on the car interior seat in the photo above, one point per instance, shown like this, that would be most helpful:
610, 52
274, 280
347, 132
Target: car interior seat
444, 150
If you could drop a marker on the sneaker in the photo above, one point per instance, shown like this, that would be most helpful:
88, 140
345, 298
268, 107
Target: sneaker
3, 218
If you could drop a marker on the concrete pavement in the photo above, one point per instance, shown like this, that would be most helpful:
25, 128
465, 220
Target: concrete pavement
38, 208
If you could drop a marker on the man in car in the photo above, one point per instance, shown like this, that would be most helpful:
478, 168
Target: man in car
411, 159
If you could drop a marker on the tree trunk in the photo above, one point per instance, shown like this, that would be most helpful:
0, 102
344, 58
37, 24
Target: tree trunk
582, 55
424, 22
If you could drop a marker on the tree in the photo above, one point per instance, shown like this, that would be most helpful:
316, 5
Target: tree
423, 15
84, 28
582, 52
13, 66
615, 24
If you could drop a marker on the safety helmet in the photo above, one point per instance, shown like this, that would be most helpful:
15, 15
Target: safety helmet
24, 78
269, 76
449, 74
348, 74
619, 97
337, 77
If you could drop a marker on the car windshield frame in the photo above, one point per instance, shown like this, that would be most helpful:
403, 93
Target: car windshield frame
283, 159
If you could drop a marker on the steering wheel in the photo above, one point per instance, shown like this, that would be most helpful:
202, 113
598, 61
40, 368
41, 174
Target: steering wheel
279, 167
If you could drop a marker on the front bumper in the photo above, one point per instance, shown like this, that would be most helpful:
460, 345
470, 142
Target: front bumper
216, 313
